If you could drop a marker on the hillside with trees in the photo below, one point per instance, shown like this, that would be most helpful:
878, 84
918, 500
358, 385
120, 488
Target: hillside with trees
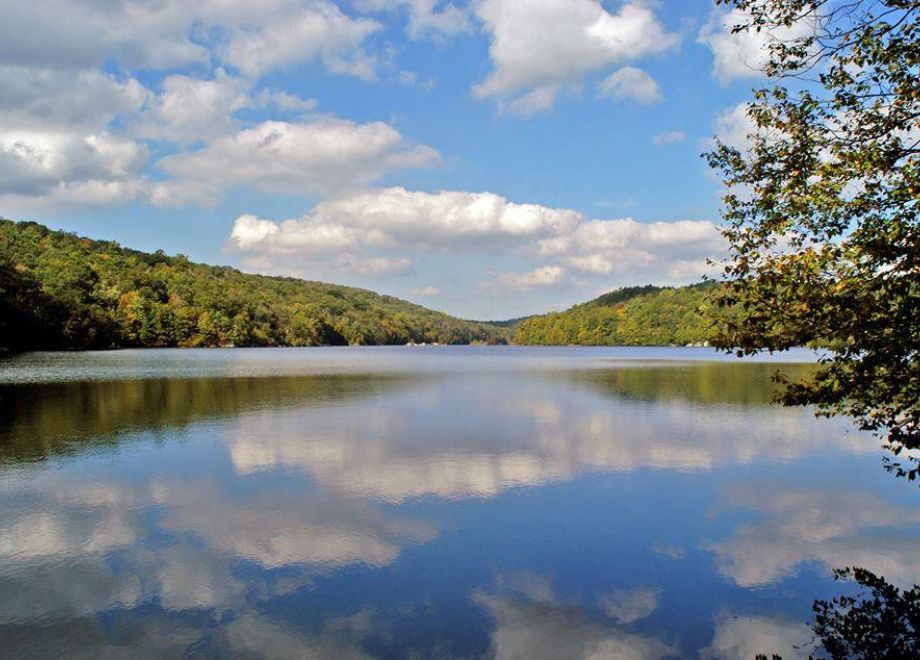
62, 291
632, 316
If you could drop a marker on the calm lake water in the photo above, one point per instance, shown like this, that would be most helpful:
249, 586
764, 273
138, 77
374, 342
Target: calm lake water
427, 502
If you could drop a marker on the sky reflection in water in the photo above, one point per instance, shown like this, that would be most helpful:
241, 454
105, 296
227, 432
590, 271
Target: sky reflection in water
439, 502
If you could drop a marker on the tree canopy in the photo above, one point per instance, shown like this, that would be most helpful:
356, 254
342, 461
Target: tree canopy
61, 291
631, 316
821, 209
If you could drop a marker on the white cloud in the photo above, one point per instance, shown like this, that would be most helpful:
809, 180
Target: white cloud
250, 231
631, 84
51, 99
539, 278
315, 157
668, 137
314, 30
455, 222
69, 132
538, 47
427, 18
399, 218
743, 54
532, 103
192, 109
61, 34
734, 127
284, 101
253, 37
56, 148
425, 291
601, 247
35, 163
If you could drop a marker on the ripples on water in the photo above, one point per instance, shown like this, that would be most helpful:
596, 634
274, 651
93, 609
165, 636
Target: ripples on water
399, 502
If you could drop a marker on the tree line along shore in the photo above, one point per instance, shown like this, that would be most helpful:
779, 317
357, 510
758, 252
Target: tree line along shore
60, 291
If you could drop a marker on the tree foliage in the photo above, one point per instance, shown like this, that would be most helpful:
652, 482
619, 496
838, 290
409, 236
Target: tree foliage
822, 208
59, 291
632, 316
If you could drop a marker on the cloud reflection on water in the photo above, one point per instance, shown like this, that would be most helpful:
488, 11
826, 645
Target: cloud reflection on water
532, 623
282, 490
835, 528
454, 440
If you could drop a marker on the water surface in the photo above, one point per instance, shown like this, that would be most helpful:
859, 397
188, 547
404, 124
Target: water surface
427, 502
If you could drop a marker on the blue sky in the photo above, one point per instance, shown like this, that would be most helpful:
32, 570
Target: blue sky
490, 158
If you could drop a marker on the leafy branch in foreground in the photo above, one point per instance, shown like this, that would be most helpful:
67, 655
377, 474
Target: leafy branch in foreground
821, 211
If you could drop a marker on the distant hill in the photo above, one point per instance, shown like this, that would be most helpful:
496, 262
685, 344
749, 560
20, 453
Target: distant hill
62, 291
632, 316
509, 323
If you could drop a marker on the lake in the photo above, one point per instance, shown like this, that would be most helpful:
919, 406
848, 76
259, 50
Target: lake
428, 502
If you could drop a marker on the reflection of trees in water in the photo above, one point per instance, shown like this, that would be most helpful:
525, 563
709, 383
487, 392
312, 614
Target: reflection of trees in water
882, 621
706, 383
38, 421
539, 429
879, 619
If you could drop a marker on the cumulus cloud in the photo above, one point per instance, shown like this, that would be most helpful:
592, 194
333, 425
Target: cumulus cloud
668, 137
55, 143
64, 154
425, 291
539, 278
539, 47
396, 219
190, 110
560, 241
54, 99
309, 157
427, 18
68, 165
73, 134
603, 247
252, 37
631, 84
743, 54
733, 127
313, 30
532, 103
193, 109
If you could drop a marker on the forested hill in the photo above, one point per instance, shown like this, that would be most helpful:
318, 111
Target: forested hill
633, 316
58, 290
